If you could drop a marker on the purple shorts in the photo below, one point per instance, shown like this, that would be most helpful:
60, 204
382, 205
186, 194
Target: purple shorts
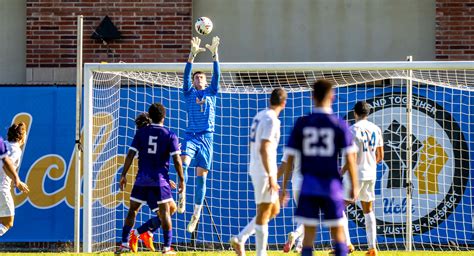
153, 196
310, 208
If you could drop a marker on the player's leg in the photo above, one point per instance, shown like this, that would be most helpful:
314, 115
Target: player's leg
333, 209
203, 160
268, 207
337, 234
6, 223
188, 152
307, 213
7, 211
367, 196
164, 213
308, 240
348, 200
127, 243
296, 236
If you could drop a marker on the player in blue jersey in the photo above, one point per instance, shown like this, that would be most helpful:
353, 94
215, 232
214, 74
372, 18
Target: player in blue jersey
201, 103
318, 139
154, 145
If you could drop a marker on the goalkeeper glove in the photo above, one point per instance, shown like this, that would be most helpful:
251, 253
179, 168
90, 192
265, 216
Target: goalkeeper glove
213, 47
195, 49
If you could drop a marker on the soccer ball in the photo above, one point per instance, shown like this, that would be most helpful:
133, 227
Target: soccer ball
203, 25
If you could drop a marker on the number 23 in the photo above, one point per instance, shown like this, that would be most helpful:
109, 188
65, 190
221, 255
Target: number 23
312, 135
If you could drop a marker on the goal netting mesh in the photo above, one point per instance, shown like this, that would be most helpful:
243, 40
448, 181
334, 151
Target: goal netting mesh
442, 204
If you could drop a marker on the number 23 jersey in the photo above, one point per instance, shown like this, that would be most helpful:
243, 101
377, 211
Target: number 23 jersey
319, 138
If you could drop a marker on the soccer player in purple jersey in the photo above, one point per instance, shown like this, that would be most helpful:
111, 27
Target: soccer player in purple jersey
318, 139
154, 145
145, 231
201, 103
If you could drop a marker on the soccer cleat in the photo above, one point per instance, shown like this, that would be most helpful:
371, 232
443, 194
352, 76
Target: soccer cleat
181, 202
290, 242
237, 246
147, 239
168, 251
122, 249
193, 223
133, 241
299, 247
371, 252
350, 249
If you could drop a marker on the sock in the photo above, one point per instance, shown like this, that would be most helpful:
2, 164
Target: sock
370, 229
247, 231
151, 225
200, 190
345, 223
261, 232
197, 210
299, 231
125, 233
185, 172
340, 249
307, 251
3, 229
167, 235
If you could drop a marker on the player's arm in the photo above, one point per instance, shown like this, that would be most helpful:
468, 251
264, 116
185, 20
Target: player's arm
379, 151
178, 165
195, 50
285, 170
11, 172
264, 151
349, 150
216, 73
126, 166
175, 147
351, 168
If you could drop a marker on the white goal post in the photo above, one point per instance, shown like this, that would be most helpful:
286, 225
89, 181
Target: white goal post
422, 107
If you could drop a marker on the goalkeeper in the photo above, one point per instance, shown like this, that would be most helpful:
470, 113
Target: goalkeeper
201, 103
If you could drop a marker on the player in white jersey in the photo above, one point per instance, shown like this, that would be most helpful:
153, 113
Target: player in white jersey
296, 236
368, 138
264, 139
8, 173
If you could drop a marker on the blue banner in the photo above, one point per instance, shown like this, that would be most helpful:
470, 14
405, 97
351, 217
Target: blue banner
442, 192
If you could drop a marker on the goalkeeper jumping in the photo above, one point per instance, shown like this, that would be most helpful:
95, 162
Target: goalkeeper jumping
198, 142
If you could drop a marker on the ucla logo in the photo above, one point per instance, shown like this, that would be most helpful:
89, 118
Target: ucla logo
440, 165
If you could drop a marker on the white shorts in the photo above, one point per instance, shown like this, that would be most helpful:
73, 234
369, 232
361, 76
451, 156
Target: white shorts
7, 206
366, 190
262, 191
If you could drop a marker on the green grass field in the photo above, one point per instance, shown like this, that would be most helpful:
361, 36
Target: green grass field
271, 253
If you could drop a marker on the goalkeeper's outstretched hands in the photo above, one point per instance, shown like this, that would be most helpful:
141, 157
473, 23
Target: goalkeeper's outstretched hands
213, 48
195, 49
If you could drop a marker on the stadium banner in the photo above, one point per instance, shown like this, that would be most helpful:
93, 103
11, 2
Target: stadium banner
47, 214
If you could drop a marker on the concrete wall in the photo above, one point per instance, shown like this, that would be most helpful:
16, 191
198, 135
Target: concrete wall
12, 41
321, 30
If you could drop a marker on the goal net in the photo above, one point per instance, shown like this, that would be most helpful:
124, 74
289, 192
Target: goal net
425, 105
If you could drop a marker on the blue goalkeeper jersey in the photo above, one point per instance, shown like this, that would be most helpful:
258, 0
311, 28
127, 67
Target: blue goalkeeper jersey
201, 104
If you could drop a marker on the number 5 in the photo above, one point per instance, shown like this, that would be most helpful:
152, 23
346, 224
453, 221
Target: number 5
152, 144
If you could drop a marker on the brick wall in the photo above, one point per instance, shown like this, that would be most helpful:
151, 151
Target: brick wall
455, 29
152, 31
